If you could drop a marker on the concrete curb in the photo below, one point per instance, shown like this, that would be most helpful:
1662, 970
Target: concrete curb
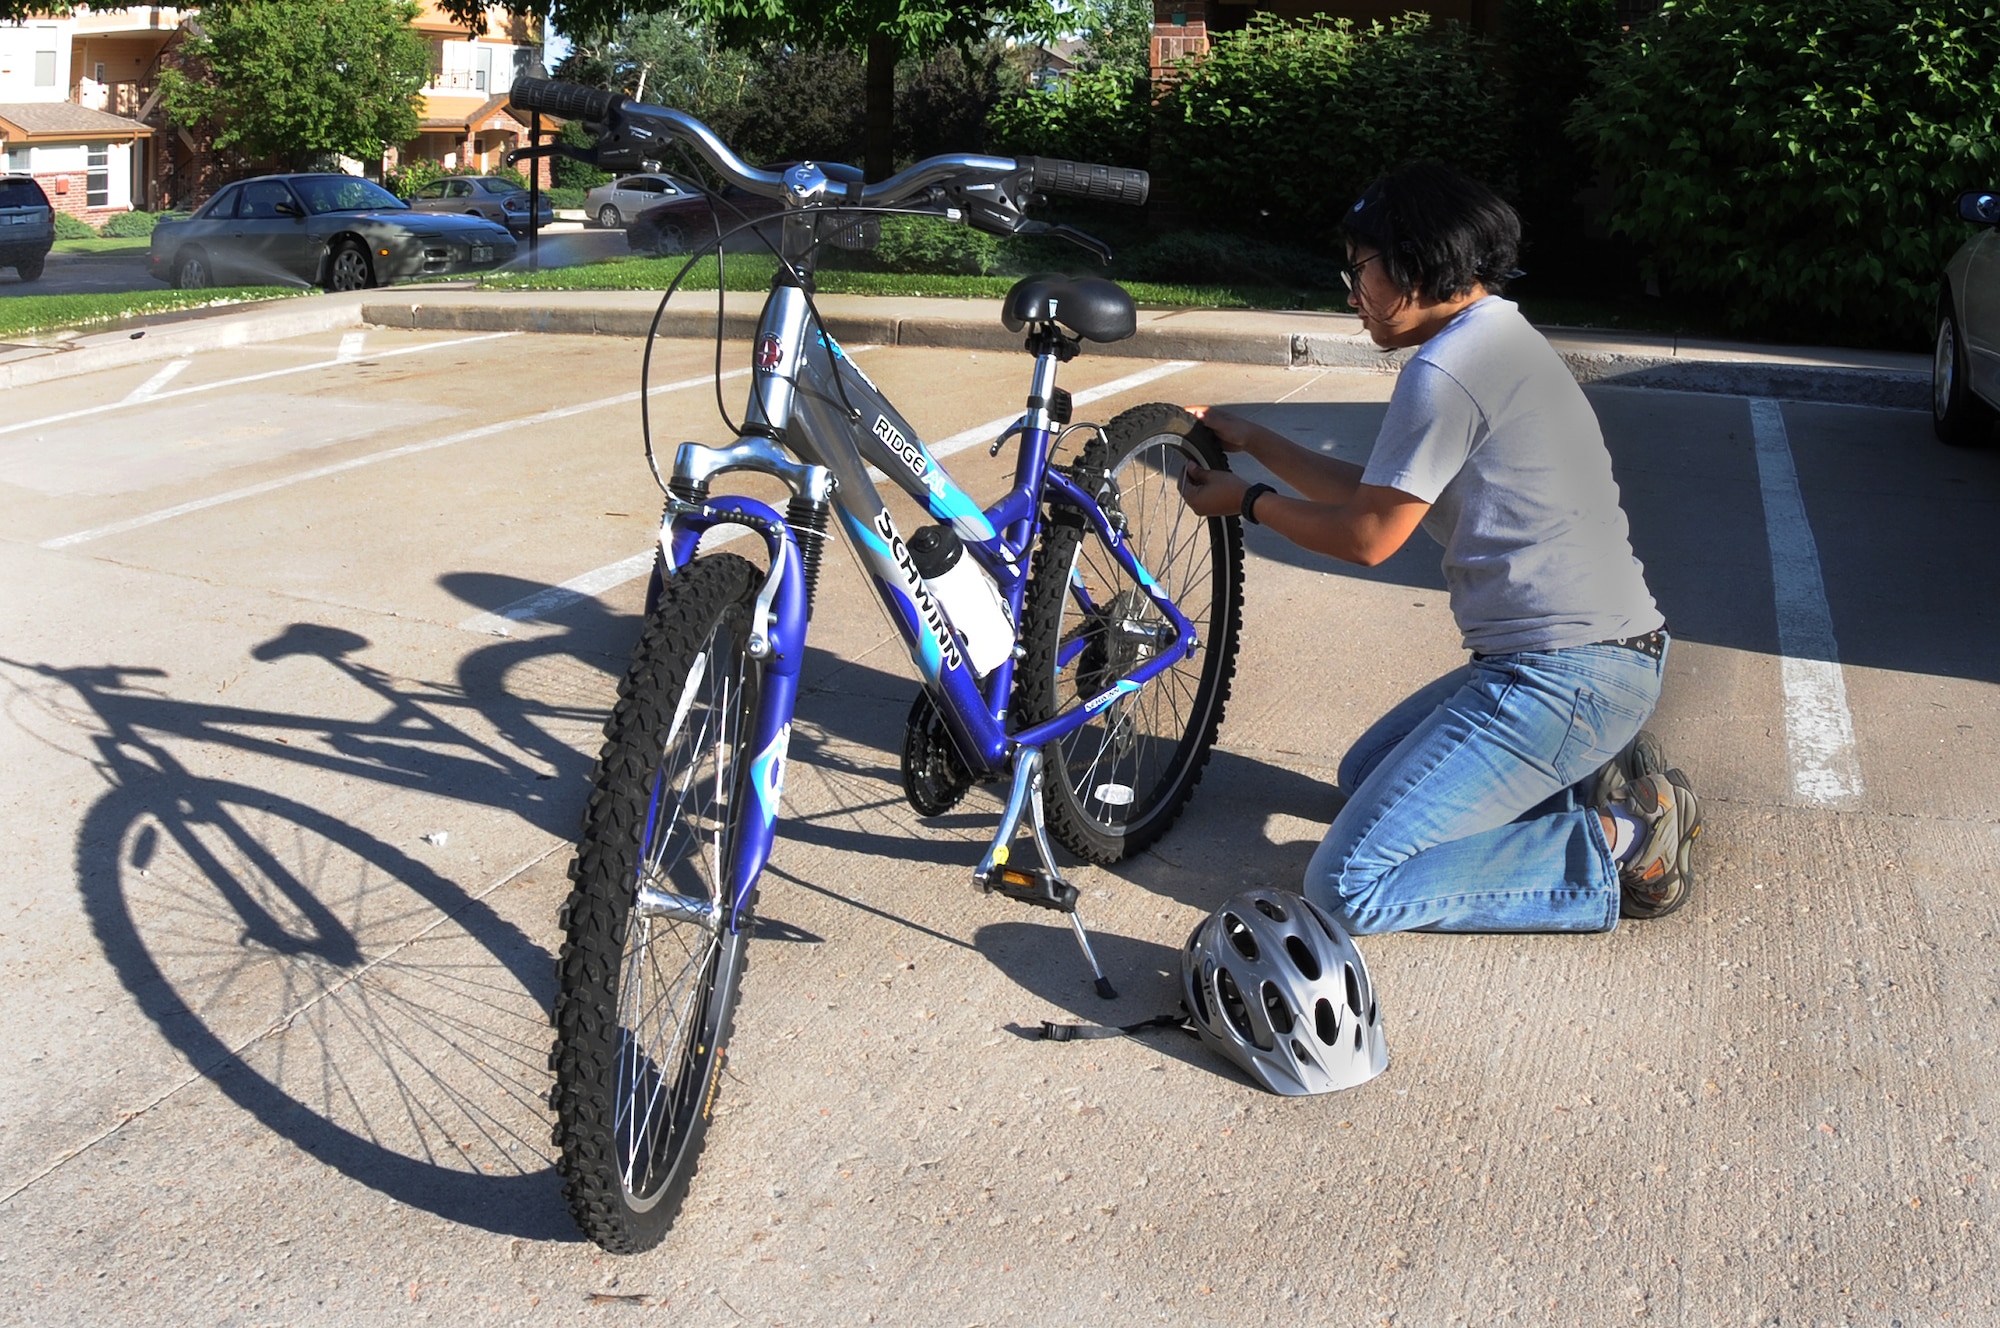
1725, 371
112, 350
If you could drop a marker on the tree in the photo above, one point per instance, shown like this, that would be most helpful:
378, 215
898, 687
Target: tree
297, 81
887, 31
665, 57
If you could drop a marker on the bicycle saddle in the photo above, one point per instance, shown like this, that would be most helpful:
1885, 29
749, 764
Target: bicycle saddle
1091, 307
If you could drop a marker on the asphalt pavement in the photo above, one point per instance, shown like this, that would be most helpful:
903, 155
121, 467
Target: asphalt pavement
309, 618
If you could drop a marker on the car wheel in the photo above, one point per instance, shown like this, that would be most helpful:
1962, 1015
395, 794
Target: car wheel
1960, 418
670, 240
350, 269
608, 218
28, 269
192, 271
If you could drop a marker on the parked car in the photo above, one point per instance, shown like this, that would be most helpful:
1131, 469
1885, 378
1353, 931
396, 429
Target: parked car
616, 204
27, 226
489, 196
337, 231
689, 222
1965, 371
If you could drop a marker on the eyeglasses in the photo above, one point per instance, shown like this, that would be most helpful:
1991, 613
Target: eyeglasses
1351, 272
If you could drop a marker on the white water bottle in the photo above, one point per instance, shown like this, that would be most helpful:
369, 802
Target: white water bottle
973, 603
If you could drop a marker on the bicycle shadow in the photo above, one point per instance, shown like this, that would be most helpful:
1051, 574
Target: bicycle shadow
347, 995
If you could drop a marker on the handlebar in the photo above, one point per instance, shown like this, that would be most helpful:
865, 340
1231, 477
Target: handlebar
633, 126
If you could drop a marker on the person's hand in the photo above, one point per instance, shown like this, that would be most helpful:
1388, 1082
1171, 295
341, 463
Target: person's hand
1212, 492
1232, 431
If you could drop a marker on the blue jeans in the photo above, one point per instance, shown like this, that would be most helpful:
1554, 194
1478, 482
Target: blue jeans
1465, 810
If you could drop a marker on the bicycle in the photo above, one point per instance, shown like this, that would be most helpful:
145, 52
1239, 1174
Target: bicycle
1088, 674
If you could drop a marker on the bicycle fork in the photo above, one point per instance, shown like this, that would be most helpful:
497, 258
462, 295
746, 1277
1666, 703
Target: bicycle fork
1043, 887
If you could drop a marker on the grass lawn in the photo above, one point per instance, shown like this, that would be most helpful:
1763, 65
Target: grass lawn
104, 244
47, 313
752, 272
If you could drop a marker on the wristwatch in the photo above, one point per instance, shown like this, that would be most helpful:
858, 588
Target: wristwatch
1250, 496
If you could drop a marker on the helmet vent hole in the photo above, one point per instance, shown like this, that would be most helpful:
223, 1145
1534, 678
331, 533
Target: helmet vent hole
1371, 1014
1198, 992
1325, 1021
1305, 1057
1269, 910
1234, 1008
1307, 961
1240, 939
1357, 1037
1353, 990
1280, 1013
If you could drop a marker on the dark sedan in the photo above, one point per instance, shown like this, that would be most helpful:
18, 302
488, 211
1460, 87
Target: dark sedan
337, 231
689, 222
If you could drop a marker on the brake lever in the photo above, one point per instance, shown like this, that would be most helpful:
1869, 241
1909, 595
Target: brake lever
588, 156
1070, 233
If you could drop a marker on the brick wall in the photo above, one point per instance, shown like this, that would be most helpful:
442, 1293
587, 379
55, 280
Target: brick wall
68, 191
1180, 28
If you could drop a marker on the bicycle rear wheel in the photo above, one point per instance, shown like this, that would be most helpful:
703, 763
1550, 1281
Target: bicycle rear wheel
646, 996
1116, 784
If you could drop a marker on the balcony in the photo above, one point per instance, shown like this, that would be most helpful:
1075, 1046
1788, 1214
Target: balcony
465, 81
127, 98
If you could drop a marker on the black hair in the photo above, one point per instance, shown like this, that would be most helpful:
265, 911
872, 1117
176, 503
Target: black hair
1438, 232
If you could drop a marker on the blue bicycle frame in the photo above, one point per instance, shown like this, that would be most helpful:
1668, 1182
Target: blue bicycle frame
807, 395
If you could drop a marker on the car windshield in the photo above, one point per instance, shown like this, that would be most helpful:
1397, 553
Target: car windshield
21, 193
345, 193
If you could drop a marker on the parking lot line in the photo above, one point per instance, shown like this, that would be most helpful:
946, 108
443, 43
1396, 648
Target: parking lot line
593, 583
149, 389
335, 363
373, 458
1819, 730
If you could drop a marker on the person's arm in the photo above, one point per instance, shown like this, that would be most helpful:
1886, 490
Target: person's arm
1316, 475
1367, 528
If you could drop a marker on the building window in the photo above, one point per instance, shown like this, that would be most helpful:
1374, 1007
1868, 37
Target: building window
45, 69
97, 180
482, 74
99, 75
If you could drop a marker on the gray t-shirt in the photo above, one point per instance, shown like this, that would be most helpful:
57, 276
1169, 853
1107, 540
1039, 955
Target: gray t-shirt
1487, 425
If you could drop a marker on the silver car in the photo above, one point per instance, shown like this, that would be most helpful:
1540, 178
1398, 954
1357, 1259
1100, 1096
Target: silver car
1965, 373
491, 197
616, 204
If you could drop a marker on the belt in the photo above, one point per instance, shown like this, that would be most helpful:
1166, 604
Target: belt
1653, 643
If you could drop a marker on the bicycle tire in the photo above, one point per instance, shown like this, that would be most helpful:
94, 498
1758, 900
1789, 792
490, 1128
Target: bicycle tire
635, 1083
1104, 812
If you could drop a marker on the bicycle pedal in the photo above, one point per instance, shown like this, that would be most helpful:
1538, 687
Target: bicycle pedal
1030, 886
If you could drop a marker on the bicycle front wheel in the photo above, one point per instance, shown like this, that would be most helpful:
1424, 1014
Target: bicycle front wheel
1116, 784
647, 993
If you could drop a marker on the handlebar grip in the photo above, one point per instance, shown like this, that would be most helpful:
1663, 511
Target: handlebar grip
1104, 184
567, 100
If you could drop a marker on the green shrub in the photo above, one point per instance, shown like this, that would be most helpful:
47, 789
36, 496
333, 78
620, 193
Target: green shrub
562, 197
935, 247
73, 228
1793, 162
412, 176
1101, 115
568, 174
130, 225
1286, 123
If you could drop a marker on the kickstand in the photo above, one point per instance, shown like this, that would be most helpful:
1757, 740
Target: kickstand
1043, 887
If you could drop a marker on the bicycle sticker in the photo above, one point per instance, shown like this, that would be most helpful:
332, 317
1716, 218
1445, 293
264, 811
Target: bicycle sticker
1122, 687
767, 772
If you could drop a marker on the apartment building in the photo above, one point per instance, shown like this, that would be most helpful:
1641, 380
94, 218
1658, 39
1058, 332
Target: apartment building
59, 119
464, 122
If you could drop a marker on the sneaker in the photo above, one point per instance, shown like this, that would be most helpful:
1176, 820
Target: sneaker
1660, 876
1640, 757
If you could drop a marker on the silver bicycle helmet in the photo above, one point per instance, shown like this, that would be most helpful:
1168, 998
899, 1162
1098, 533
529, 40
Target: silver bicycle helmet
1278, 987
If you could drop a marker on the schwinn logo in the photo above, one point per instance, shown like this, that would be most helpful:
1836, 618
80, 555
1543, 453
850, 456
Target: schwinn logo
906, 451
920, 594
1105, 698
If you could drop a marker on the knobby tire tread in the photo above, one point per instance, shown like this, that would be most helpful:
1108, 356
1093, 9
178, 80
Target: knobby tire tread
589, 967
1038, 694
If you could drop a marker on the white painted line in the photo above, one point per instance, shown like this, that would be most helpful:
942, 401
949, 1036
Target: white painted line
410, 449
149, 389
1819, 730
556, 598
350, 345
247, 378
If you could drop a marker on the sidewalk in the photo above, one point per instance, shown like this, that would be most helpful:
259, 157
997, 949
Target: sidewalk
1299, 340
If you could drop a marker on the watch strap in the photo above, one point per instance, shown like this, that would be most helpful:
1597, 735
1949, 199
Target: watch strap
1250, 496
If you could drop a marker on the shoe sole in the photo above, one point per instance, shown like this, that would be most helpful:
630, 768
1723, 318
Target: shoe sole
1682, 883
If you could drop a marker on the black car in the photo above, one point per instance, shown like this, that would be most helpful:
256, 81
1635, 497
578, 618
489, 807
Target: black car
337, 231
27, 226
